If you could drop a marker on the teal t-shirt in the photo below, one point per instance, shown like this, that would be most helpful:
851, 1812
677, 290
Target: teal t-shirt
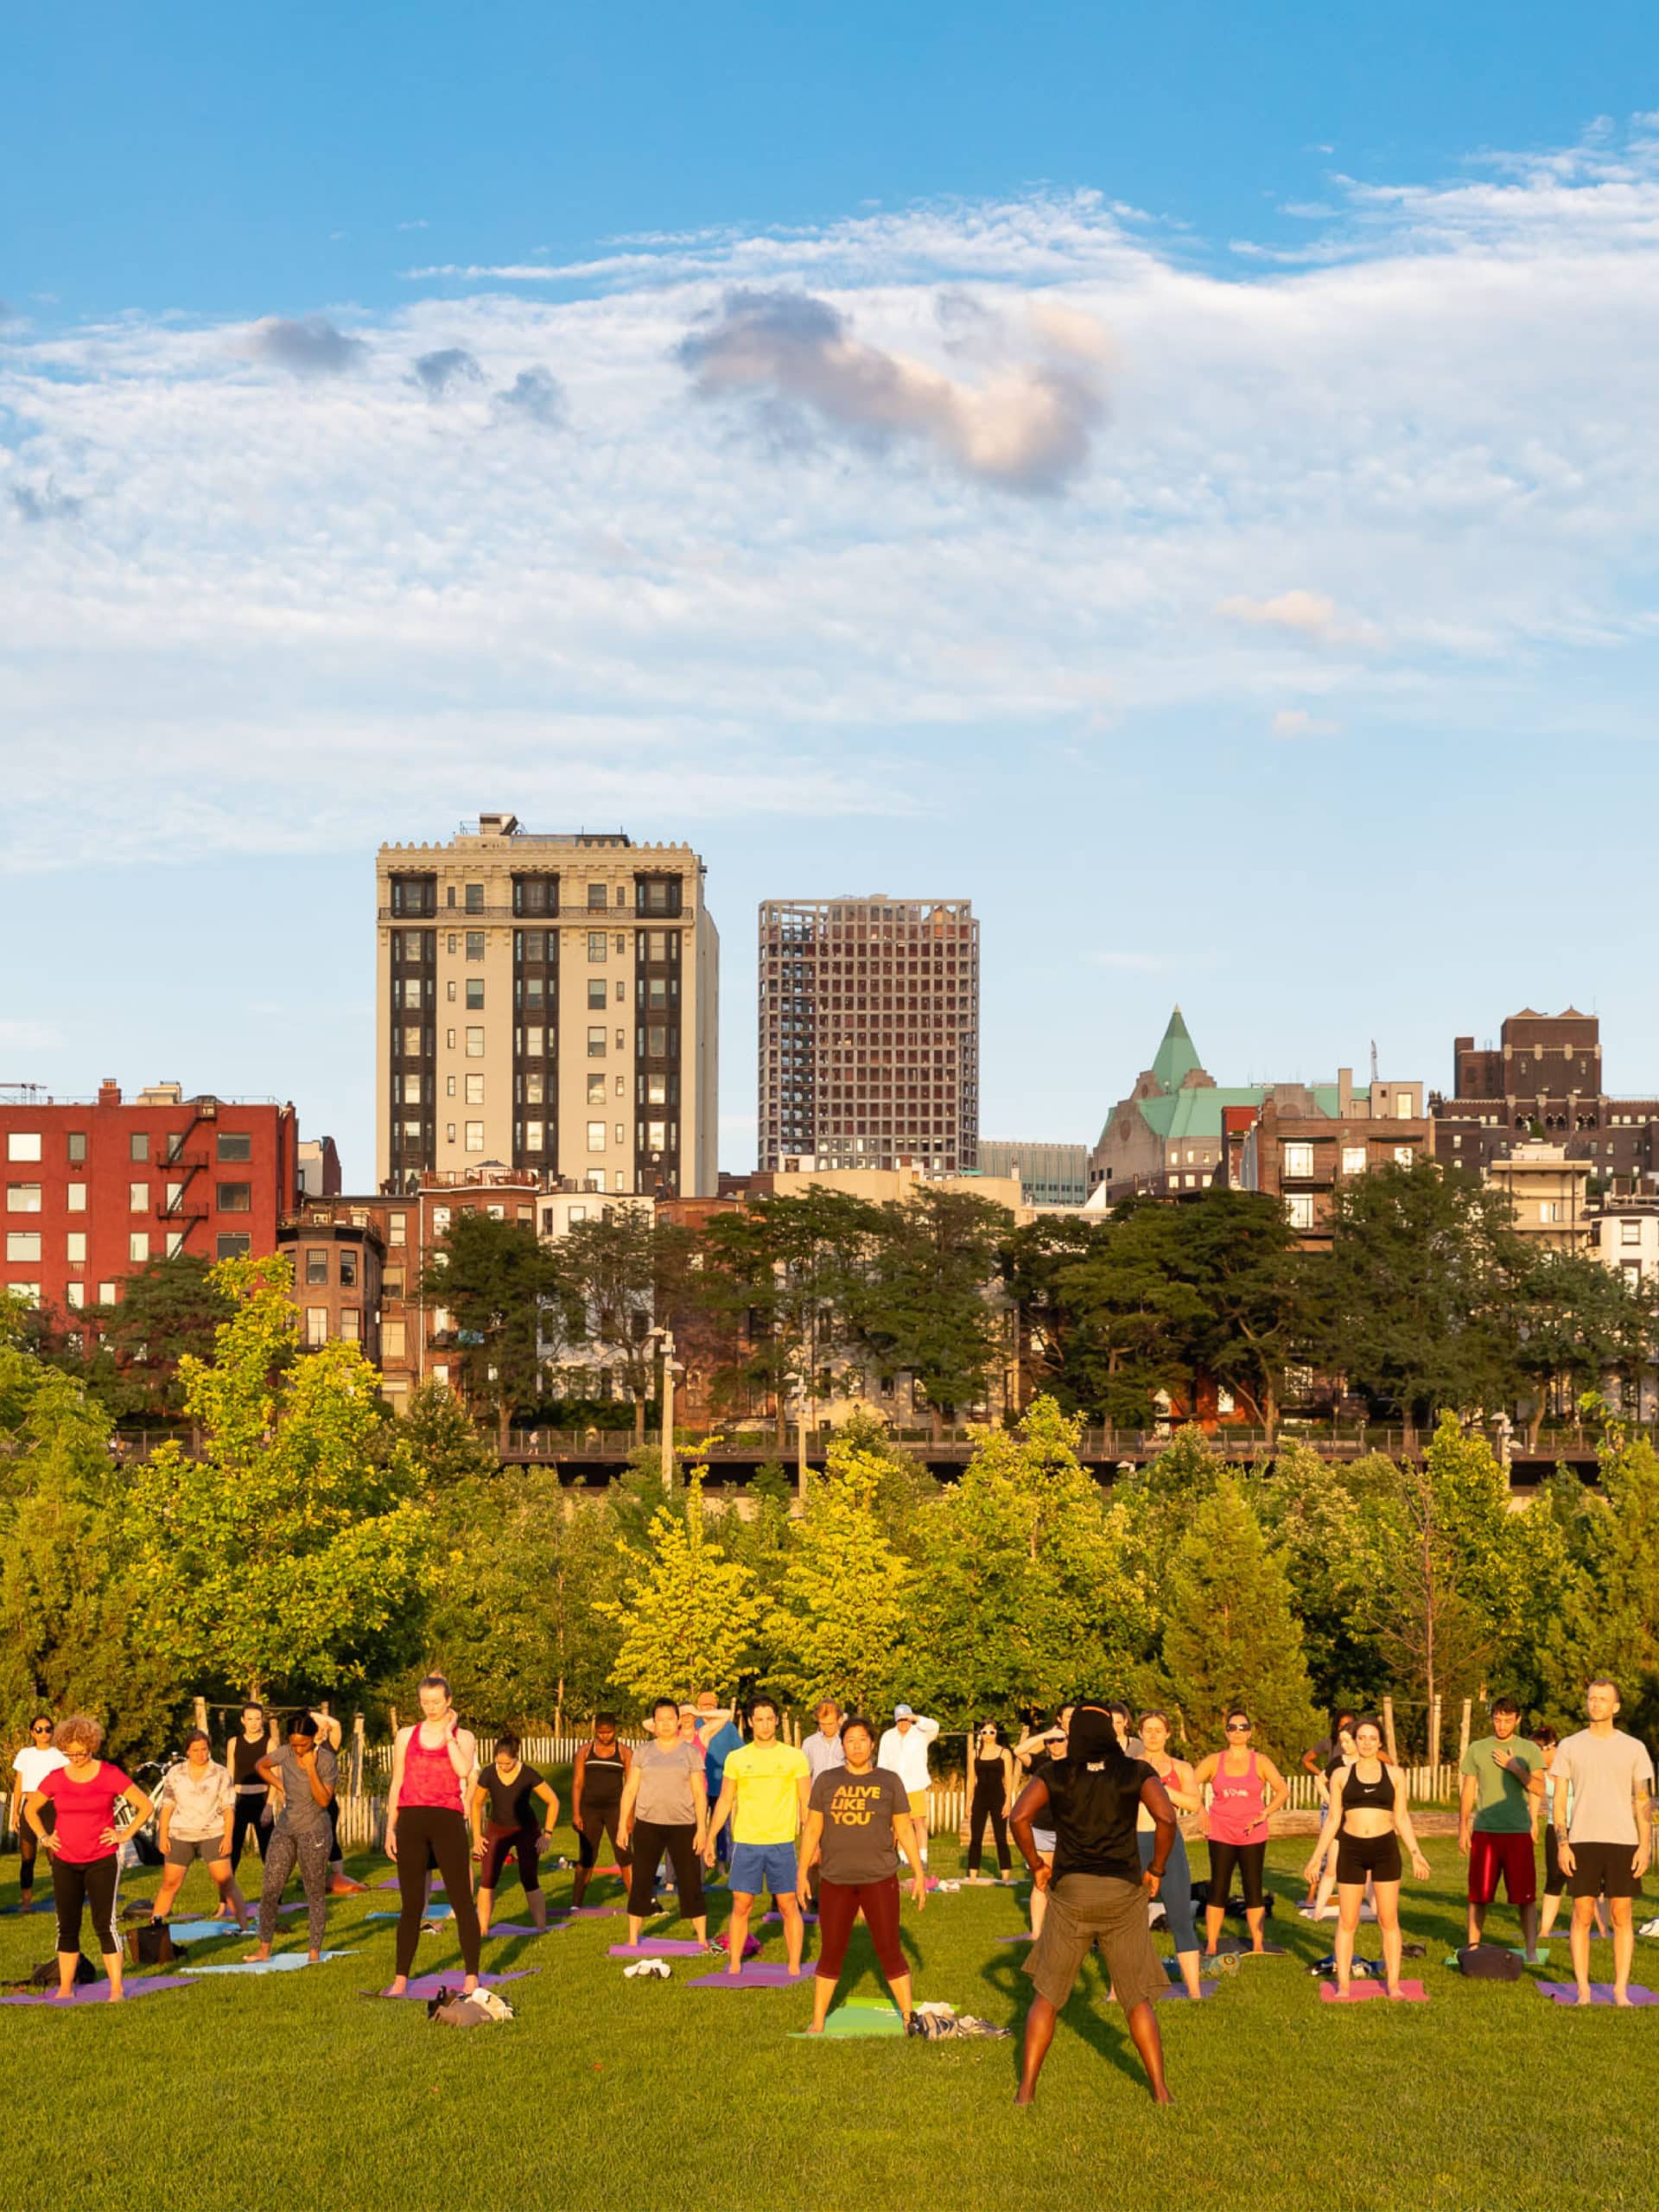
1502, 1805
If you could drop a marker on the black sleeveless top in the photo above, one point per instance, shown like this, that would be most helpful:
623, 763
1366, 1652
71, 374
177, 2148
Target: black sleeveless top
601, 1775
1377, 1796
1092, 1810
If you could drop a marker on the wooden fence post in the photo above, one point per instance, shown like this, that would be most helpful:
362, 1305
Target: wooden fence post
357, 1755
202, 1714
1463, 1730
1387, 1730
1434, 1731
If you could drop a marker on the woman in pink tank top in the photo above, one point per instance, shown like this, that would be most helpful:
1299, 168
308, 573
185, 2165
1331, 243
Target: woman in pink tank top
1246, 1789
432, 1765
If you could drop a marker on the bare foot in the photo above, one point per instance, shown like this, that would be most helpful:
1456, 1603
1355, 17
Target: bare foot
1394, 1990
61, 1996
1162, 2097
1622, 1997
398, 1985
1586, 1997
314, 1958
814, 2031
1023, 2096
261, 1952
469, 1984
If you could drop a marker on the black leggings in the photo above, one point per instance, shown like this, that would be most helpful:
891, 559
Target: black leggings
499, 1844
252, 1811
988, 1807
648, 1841
76, 1887
1249, 1859
28, 1844
434, 1835
597, 1822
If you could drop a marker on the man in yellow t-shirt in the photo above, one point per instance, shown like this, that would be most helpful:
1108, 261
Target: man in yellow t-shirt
763, 1790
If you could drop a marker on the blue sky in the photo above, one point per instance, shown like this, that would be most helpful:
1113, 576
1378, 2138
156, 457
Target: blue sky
1185, 479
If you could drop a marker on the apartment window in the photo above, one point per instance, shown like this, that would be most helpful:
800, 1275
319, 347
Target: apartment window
1630, 1232
1403, 1155
657, 1042
533, 1136
474, 945
138, 1245
76, 1296
77, 1142
232, 1144
596, 998
448, 1040
1551, 1210
621, 1134
172, 1242
474, 898
1353, 1160
533, 1044
23, 1294
392, 1340
474, 1136
411, 1043
596, 1043
348, 1268
448, 1133
598, 898
1298, 1210
595, 1141
411, 1132
595, 1091
398, 1228
412, 944
475, 1043
598, 944
106, 1293
656, 1090
534, 894
474, 994
474, 1091
233, 1197
533, 993
1631, 1271
138, 1198
351, 1325
316, 1326
137, 1145
74, 1247
1402, 1104
233, 1245
533, 1088
594, 1179
656, 1136
1298, 1159
22, 1244
22, 1198
316, 1265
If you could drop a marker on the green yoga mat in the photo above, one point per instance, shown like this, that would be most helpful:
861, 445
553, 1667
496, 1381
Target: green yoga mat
859, 2016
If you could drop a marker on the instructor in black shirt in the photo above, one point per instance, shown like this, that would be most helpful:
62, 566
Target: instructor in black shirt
1096, 1891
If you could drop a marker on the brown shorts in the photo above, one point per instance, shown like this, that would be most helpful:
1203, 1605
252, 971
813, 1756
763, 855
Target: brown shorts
1089, 1908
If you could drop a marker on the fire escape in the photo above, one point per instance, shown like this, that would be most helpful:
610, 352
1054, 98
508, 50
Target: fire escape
183, 1201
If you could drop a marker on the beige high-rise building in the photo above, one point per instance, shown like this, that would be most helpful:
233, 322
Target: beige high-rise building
546, 1002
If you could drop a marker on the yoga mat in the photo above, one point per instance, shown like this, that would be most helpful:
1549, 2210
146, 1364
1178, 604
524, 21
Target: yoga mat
1601, 1992
517, 1927
434, 1912
1026, 1938
1234, 1950
423, 1985
659, 1947
204, 1931
285, 1963
776, 1919
754, 1973
858, 2017
1177, 1991
1411, 1992
391, 1882
98, 1993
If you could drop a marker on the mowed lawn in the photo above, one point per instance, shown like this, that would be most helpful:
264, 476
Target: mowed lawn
292, 2089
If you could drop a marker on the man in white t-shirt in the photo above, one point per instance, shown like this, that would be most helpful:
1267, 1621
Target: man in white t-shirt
904, 1751
31, 1765
1605, 1842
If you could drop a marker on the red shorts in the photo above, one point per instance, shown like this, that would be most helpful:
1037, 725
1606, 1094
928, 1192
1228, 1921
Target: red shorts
1512, 1856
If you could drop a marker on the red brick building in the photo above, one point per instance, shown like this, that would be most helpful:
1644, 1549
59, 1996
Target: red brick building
94, 1188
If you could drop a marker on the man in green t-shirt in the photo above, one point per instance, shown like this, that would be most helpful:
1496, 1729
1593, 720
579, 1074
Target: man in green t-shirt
1495, 1820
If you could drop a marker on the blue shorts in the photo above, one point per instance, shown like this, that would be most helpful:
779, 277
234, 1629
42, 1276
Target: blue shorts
757, 1867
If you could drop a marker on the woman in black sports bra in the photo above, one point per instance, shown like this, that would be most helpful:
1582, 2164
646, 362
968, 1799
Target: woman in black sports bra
1368, 1820
602, 1771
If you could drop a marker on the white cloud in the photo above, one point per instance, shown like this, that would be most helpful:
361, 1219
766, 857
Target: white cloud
297, 612
30, 1037
1297, 721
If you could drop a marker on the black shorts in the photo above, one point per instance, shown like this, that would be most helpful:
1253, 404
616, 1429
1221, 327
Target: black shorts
1360, 1855
184, 1851
1604, 1869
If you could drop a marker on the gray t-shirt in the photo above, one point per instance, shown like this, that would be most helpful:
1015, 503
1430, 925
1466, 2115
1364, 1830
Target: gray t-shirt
857, 1844
300, 1814
666, 1798
1604, 1772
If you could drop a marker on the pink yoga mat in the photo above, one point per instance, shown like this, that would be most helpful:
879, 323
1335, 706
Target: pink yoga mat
1601, 1992
754, 1973
428, 1985
659, 1947
1411, 1992
98, 1993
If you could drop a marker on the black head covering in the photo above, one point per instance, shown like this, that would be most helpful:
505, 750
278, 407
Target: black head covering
1091, 1736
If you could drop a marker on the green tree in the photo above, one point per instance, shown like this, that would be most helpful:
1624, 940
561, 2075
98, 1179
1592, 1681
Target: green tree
1608, 1620
1313, 1520
1230, 1632
689, 1616
295, 1550
1419, 1305
1137, 1317
443, 1444
168, 1310
621, 1273
926, 1304
838, 1624
1579, 1322
503, 1292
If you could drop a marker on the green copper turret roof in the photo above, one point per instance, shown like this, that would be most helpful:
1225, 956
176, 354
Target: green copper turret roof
1177, 1056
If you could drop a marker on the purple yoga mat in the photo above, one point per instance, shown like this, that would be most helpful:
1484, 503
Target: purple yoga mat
1177, 1992
1601, 1992
754, 1973
776, 1919
659, 1947
517, 1927
391, 1882
1026, 1938
1411, 1992
428, 1985
98, 1993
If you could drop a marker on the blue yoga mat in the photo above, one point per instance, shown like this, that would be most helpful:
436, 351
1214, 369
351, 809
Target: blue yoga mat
285, 1963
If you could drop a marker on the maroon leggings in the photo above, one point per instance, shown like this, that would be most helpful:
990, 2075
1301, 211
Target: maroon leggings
839, 1905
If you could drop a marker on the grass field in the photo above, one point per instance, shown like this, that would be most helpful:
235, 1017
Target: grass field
292, 2090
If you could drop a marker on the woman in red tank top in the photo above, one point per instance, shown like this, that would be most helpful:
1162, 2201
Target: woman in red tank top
432, 1767
1246, 1790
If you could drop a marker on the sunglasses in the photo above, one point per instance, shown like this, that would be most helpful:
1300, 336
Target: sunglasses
1238, 1728
40, 1731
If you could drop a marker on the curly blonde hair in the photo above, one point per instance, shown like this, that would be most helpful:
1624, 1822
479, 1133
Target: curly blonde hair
79, 1731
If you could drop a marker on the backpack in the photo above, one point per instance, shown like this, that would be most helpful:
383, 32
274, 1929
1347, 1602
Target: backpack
1487, 1962
150, 1944
45, 1976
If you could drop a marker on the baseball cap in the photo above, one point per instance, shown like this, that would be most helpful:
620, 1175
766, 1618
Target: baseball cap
903, 1712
